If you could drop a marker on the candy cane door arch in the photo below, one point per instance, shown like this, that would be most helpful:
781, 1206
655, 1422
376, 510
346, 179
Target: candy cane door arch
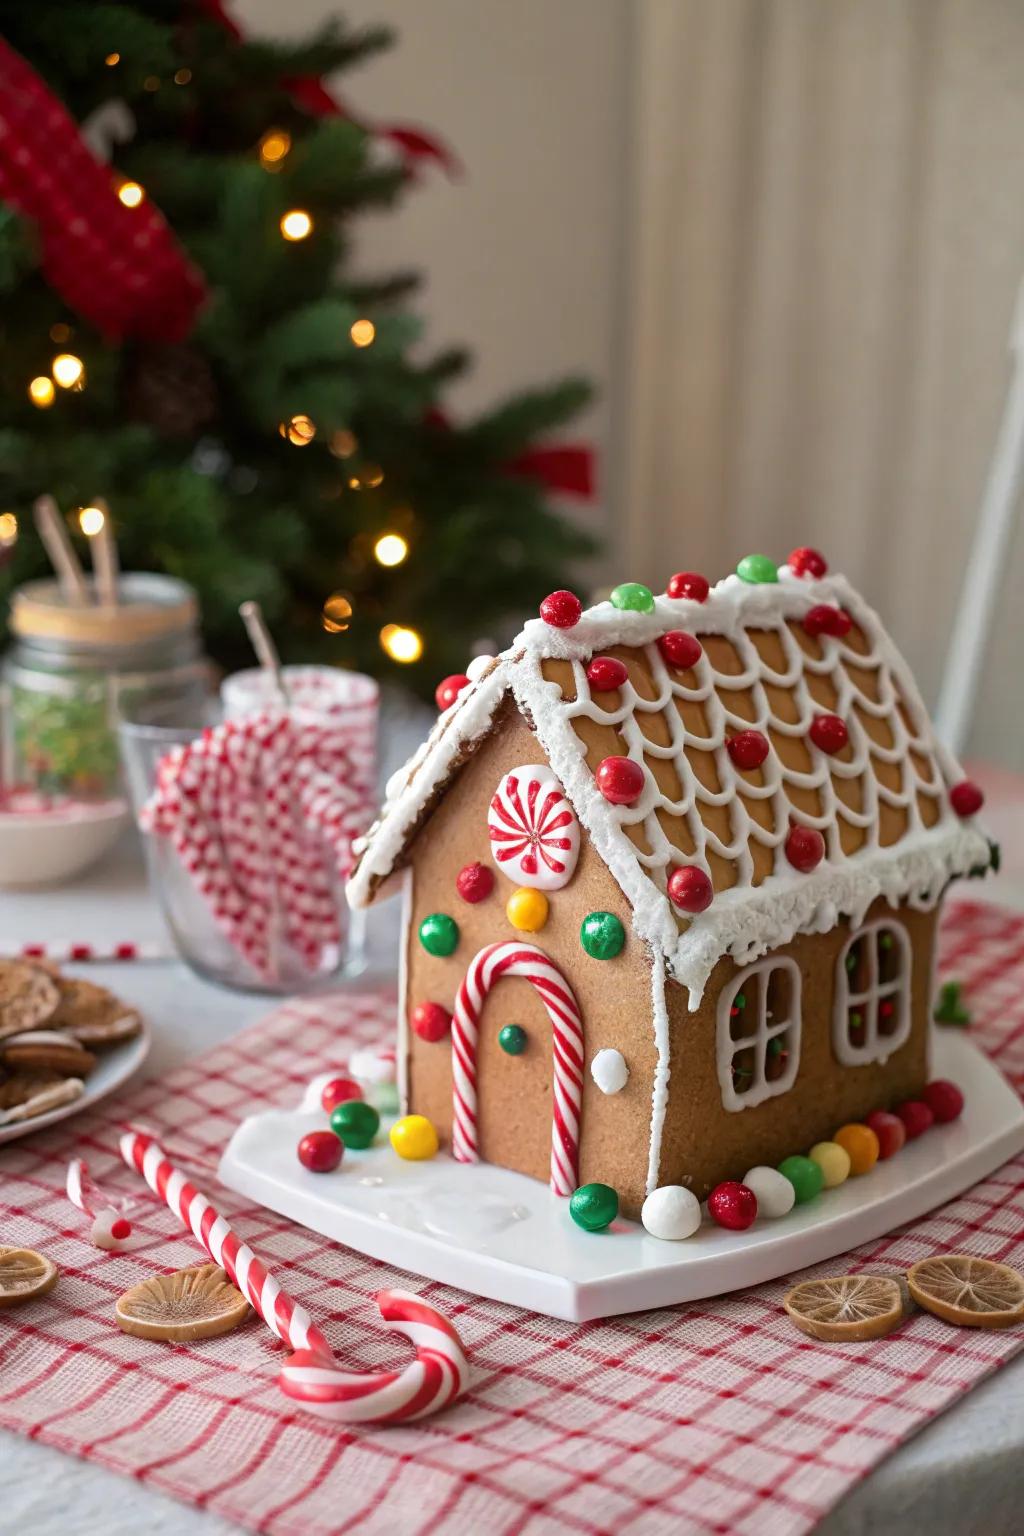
486, 968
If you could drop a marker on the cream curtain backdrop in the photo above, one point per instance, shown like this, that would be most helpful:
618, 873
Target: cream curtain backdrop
826, 216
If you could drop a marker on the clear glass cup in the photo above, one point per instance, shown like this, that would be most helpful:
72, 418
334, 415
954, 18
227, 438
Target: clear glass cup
146, 735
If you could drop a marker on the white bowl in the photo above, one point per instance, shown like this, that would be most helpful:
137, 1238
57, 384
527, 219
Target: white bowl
52, 842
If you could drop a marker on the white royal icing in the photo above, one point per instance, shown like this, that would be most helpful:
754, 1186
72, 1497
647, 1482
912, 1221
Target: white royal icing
534, 833
609, 1071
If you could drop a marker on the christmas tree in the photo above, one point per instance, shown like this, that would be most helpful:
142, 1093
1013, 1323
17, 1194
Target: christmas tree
184, 337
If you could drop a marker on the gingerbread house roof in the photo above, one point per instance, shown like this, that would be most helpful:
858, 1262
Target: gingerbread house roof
881, 801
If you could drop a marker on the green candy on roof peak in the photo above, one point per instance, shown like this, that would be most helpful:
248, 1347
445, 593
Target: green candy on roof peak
757, 569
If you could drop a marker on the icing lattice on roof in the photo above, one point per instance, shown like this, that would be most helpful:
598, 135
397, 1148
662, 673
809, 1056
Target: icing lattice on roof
881, 802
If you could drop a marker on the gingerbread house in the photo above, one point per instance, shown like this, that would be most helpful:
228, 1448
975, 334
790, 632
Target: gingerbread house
672, 870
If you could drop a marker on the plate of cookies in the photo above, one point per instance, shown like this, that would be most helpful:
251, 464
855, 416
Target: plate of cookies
65, 1043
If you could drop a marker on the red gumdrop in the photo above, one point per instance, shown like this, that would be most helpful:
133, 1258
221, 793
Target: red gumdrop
449, 688
807, 562
829, 733
823, 619
966, 798
944, 1099
733, 1205
689, 584
680, 649
430, 1021
320, 1151
620, 780
561, 609
474, 882
916, 1116
889, 1129
805, 848
690, 890
338, 1091
748, 749
605, 673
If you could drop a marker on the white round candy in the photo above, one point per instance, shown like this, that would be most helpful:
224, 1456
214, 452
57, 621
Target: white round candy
372, 1066
100, 1232
671, 1212
609, 1071
775, 1194
477, 667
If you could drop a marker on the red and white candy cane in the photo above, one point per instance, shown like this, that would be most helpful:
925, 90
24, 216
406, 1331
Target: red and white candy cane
110, 1225
310, 1376
489, 966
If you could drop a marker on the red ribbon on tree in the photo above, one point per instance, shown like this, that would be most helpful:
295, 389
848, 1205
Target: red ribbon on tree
118, 267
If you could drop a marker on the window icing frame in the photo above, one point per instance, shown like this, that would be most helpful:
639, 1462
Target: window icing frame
877, 1048
726, 1048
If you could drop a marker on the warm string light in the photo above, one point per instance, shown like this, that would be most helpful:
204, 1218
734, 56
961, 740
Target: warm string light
90, 520
390, 549
112, 59
274, 146
299, 430
337, 614
151, 83
296, 224
60, 333
401, 644
343, 443
182, 76
41, 392
8, 527
68, 370
131, 194
362, 332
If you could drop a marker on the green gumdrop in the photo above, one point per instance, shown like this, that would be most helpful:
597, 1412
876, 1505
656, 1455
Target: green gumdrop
602, 935
805, 1176
355, 1122
633, 595
594, 1206
439, 934
512, 1039
949, 1008
757, 569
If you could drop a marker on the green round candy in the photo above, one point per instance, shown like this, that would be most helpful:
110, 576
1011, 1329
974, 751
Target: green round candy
512, 1039
805, 1176
355, 1122
602, 935
439, 934
633, 595
757, 569
594, 1206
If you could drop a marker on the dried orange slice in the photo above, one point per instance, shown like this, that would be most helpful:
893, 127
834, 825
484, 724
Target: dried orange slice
972, 1292
190, 1304
24, 1275
846, 1308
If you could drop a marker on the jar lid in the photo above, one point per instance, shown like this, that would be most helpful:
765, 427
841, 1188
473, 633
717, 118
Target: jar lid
151, 606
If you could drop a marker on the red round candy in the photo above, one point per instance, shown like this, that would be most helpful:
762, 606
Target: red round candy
620, 780
823, 619
944, 1099
805, 848
916, 1116
605, 673
689, 584
733, 1205
561, 609
829, 733
748, 749
449, 688
430, 1021
966, 798
889, 1129
338, 1091
320, 1151
807, 562
690, 890
680, 649
474, 882
120, 1229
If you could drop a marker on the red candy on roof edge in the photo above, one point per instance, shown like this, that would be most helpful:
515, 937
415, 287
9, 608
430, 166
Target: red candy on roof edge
805, 848
689, 584
690, 889
807, 562
449, 688
605, 673
561, 609
680, 649
620, 780
966, 798
824, 619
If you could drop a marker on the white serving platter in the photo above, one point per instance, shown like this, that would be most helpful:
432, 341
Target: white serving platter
508, 1237
113, 1068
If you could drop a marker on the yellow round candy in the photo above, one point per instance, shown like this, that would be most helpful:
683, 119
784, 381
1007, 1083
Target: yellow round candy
527, 910
861, 1143
833, 1160
414, 1138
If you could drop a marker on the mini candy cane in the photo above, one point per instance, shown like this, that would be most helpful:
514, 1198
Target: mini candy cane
438, 1375
110, 1228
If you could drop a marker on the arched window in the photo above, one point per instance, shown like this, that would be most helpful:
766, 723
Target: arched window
758, 1042
872, 995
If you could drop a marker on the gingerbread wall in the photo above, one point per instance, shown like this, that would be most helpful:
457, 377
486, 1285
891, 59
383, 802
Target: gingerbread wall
704, 1143
614, 995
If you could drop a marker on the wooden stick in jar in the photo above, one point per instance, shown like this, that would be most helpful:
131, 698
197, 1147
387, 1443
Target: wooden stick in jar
105, 563
70, 577
263, 645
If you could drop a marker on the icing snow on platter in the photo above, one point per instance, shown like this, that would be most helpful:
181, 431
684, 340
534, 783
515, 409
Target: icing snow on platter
503, 1235
535, 836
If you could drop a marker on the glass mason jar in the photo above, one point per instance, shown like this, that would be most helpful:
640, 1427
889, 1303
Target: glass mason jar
73, 669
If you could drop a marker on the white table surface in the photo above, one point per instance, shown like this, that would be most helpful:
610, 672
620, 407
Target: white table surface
961, 1475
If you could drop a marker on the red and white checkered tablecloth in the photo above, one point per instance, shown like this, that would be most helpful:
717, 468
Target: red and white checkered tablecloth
714, 1417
